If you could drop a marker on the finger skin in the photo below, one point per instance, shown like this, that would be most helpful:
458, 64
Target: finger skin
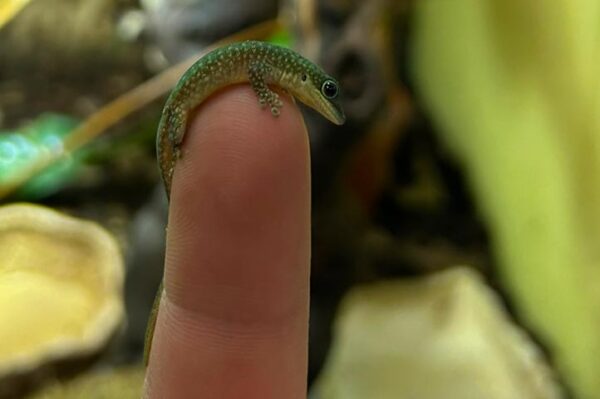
233, 319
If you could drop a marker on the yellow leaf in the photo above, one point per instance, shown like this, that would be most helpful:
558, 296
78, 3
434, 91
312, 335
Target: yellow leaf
10, 8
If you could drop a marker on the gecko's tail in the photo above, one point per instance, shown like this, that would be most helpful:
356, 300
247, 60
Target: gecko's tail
165, 154
152, 325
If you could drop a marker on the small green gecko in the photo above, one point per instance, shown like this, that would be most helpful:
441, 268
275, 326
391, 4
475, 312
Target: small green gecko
259, 63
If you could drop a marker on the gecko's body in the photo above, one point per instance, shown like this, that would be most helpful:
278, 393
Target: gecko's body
262, 65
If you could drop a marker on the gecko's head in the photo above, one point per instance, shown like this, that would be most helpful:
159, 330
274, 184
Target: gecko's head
321, 92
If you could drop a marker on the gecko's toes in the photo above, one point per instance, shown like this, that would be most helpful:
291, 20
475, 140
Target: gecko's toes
275, 111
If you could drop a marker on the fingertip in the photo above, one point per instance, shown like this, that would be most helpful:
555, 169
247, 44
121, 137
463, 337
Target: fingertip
246, 166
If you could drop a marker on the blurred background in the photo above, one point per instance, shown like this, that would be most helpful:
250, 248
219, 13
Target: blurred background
456, 215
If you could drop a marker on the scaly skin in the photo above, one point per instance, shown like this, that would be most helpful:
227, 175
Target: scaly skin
262, 65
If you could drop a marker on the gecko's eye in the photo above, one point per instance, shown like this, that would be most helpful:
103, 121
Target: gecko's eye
304, 77
330, 89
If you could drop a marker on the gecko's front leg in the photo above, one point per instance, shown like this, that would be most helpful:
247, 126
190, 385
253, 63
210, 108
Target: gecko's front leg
257, 73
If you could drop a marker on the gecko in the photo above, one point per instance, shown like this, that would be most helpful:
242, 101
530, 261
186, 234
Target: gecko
262, 65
